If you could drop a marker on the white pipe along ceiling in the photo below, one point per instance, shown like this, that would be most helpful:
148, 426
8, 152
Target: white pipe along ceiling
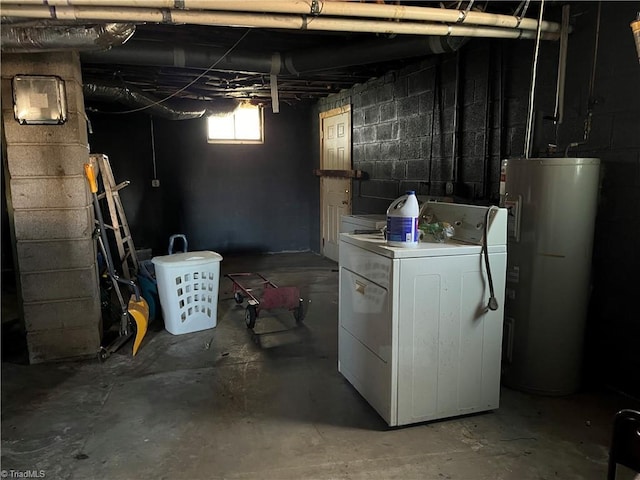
288, 14
300, 49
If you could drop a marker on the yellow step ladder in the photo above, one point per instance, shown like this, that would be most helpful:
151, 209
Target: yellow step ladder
119, 226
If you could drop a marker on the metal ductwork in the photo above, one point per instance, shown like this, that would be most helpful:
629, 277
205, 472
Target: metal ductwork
364, 53
135, 100
47, 37
293, 63
140, 52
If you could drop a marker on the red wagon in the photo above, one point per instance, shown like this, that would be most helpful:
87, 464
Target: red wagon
271, 296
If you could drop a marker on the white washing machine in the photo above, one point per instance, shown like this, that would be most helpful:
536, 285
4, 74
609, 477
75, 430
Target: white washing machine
416, 337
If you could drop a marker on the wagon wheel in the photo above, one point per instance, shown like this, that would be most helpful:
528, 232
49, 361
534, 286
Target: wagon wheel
103, 354
250, 316
238, 297
298, 312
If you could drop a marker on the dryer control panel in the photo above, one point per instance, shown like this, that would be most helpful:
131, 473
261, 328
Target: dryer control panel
468, 221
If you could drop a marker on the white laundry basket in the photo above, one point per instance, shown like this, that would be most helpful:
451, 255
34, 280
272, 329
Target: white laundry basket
188, 290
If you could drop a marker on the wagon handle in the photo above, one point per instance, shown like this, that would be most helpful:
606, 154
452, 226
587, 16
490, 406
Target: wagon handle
182, 237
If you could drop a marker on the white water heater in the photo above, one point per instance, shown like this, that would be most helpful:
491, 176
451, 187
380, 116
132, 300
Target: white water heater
552, 209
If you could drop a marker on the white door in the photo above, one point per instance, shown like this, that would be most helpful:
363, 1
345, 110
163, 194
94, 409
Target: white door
335, 192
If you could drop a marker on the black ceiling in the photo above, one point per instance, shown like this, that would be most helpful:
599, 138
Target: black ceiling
204, 83
195, 65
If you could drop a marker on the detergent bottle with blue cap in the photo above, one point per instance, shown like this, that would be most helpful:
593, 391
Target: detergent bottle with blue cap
402, 221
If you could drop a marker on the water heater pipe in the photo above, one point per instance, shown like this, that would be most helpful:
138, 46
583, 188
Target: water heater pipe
534, 73
558, 113
501, 103
454, 144
435, 103
591, 100
488, 97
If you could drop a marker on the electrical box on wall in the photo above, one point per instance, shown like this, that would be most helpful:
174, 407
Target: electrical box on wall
39, 100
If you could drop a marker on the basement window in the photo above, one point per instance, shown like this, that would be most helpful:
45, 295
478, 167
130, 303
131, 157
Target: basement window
243, 125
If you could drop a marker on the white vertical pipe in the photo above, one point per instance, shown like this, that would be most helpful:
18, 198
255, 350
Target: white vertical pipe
153, 149
534, 73
456, 110
275, 101
558, 114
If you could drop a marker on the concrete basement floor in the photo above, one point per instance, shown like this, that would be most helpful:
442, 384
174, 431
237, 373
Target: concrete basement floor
224, 403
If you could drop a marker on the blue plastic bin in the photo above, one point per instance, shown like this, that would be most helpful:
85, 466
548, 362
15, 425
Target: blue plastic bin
149, 286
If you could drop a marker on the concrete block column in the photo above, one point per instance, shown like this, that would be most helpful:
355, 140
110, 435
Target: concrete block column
52, 218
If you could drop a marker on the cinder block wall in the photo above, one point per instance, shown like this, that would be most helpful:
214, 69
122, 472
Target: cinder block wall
403, 129
51, 216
